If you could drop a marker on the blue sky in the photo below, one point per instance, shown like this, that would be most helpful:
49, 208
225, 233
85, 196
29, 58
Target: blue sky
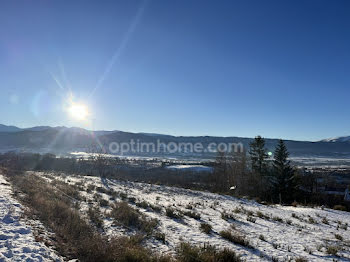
225, 68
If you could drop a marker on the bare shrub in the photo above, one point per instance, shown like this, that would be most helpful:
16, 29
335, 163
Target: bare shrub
160, 237
207, 253
262, 238
300, 259
312, 220
251, 219
142, 204
278, 219
332, 250
205, 228
325, 221
227, 216
235, 238
172, 213
339, 207
193, 215
95, 216
339, 237
130, 217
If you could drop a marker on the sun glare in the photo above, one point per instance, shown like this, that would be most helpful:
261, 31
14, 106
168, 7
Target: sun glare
78, 111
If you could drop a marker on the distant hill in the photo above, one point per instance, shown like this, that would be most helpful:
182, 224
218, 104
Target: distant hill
4, 128
337, 139
64, 140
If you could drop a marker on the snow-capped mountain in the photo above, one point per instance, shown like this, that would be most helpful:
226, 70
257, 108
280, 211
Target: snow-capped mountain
337, 139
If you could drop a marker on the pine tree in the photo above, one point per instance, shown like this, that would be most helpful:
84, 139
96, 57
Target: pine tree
284, 182
258, 155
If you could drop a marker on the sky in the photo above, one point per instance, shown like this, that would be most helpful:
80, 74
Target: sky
279, 69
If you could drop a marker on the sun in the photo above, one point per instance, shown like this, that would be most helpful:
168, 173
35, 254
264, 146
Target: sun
78, 111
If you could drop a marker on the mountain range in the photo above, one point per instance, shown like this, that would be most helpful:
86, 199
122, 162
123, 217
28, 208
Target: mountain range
63, 140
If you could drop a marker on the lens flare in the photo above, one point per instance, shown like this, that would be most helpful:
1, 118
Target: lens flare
78, 111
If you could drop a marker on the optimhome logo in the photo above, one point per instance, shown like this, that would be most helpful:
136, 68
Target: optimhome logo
172, 147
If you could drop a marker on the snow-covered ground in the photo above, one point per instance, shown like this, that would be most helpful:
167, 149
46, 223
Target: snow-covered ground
17, 242
275, 232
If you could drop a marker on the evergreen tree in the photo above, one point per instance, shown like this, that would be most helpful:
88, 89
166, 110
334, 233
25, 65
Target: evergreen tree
258, 155
284, 182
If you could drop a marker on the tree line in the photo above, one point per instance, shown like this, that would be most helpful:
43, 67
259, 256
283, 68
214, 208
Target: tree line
255, 174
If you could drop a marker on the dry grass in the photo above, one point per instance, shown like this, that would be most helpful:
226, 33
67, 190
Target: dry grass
205, 228
74, 237
332, 250
128, 216
235, 238
172, 213
95, 216
207, 253
193, 215
339, 207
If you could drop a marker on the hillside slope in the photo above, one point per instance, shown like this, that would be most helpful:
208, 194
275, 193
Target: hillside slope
273, 232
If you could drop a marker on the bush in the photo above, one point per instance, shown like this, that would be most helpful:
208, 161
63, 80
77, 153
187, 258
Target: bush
339, 207
262, 215
102, 190
325, 221
332, 250
169, 212
95, 217
207, 253
235, 238
278, 219
160, 236
205, 228
295, 215
237, 210
294, 204
123, 195
103, 202
142, 204
189, 206
132, 200
308, 249
251, 219
275, 245
155, 208
339, 237
90, 188
312, 220
192, 215
226, 216
130, 217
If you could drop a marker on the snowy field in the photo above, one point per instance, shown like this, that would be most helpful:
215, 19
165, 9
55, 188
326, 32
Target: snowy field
277, 233
17, 242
